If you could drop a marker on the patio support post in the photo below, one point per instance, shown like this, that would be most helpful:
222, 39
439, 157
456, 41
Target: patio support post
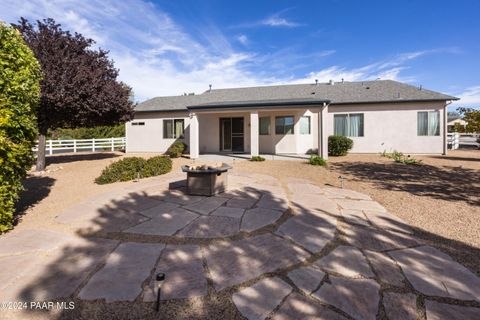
322, 132
254, 134
194, 137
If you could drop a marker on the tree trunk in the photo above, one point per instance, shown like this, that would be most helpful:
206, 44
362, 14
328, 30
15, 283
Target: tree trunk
42, 142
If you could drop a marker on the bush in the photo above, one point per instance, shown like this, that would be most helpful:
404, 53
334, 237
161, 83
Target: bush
257, 158
130, 168
98, 132
399, 157
339, 145
19, 95
176, 149
317, 161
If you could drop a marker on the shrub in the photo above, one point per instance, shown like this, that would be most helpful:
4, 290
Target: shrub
317, 161
133, 167
176, 149
257, 158
19, 95
98, 132
339, 145
399, 157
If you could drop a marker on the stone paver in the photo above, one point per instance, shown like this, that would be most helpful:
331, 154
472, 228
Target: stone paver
165, 224
385, 268
297, 306
54, 275
304, 188
347, 261
163, 207
434, 273
377, 239
229, 212
258, 301
360, 205
309, 231
235, 262
206, 205
26, 241
315, 202
400, 306
211, 227
184, 275
273, 202
134, 201
354, 216
122, 276
179, 197
257, 218
357, 297
442, 311
339, 193
244, 203
306, 279
387, 221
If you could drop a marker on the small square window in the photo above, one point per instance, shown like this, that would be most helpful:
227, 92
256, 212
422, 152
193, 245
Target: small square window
305, 125
284, 125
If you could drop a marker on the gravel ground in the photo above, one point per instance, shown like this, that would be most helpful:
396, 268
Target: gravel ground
440, 199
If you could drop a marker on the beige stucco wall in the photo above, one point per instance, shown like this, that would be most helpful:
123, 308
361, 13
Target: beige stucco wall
386, 127
392, 127
149, 138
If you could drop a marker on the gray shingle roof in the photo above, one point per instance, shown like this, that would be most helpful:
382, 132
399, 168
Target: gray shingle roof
340, 93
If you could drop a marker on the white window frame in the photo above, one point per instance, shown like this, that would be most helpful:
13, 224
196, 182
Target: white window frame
429, 112
173, 128
348, 123
309, 125
260, 126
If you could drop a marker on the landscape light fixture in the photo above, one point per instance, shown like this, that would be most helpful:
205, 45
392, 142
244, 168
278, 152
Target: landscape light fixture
341, 181
159, 281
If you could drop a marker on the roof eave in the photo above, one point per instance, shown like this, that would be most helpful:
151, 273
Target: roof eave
258, 104
394, 101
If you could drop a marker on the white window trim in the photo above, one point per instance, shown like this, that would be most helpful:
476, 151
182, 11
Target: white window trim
174, 138
428, 123
348, 129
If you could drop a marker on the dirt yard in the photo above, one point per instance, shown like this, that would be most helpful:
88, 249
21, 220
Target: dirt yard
439, 198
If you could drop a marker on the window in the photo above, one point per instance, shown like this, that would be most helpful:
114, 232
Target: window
284, 125
350, 125
138, 123
305, 125
428, 123
173, 128
264, 125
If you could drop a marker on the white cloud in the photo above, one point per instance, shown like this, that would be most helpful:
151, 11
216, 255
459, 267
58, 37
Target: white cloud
275, 21
243, 39
469, 97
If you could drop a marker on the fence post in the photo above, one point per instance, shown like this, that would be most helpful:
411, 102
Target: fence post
75, 146
50, 147
93, 144
456, 141
113, 143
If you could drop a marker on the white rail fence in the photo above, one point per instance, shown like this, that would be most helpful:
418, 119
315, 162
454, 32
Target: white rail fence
82, 145
456, 140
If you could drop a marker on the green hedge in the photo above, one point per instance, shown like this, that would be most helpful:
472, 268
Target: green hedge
20, 76
339, 145
176, 149
132, 167
99, 132
257, 158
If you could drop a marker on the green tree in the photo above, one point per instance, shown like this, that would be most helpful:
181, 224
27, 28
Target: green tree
472, 117
19, 95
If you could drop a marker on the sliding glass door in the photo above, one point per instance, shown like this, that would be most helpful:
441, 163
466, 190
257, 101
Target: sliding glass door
231, 134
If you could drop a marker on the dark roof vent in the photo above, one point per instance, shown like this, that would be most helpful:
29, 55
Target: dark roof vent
331, 82
209, 87
191, 94
316, 82
367, 88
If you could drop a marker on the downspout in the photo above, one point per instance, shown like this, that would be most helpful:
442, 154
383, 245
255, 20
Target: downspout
445, 129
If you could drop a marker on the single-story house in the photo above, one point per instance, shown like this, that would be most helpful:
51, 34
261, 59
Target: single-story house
451, 123
295, 119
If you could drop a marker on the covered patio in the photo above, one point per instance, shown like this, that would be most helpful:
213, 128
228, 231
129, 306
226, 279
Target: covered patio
283, 129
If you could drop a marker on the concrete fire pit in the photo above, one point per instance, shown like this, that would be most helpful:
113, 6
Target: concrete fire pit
206, 180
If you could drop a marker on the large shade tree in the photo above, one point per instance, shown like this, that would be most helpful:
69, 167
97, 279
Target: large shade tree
80, 86
19, 94
472, 117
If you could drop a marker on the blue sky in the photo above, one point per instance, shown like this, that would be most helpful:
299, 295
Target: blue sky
172, 47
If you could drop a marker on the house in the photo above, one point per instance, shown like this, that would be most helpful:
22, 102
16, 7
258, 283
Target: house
295, 119
455, 122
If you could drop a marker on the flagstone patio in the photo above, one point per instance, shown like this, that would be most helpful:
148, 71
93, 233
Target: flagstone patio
278, 249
